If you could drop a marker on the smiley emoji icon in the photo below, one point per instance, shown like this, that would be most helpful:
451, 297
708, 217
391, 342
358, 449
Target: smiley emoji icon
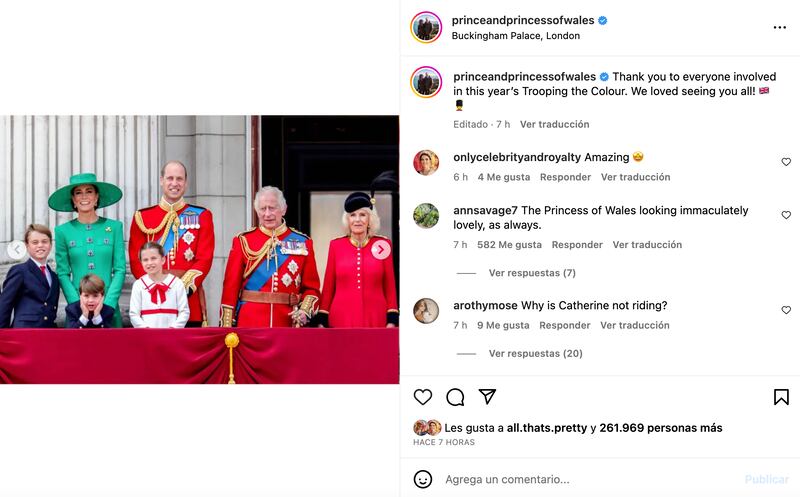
638, 156
423, 479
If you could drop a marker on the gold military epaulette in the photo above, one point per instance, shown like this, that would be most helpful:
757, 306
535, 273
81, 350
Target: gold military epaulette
165, 221
299, 232
254, 228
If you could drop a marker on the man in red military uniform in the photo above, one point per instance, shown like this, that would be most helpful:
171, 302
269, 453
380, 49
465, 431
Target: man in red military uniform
187, 234
271, 278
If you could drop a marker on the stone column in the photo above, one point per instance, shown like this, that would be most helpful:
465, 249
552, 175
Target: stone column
38, 154
216, 151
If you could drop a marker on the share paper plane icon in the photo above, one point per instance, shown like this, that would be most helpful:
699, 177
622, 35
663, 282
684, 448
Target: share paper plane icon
487, 393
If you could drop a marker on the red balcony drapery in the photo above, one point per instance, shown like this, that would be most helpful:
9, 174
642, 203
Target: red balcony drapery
199, 355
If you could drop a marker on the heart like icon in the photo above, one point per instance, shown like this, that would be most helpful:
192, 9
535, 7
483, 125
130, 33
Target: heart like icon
786, 309
786, 214
786, 161
422, 396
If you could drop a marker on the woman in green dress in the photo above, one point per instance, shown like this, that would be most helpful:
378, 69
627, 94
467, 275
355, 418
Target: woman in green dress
89, 243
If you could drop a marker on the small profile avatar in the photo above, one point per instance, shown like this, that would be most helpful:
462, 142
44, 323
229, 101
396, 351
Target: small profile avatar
426, 27
426, 81
421, 427
426, 162
426, 215
426, 310
434, 427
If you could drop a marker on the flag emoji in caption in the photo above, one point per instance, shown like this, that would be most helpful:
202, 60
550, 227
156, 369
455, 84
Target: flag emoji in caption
763, 90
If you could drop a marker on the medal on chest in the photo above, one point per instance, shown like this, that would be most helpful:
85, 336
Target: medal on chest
190, 221
293, 247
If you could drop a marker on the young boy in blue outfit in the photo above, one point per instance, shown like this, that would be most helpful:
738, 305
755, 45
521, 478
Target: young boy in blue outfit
90, 311
31, 290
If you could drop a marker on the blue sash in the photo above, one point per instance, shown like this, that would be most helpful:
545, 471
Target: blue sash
263, 273
170, 240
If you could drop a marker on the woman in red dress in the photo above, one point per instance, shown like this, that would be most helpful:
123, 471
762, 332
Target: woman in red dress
359, 289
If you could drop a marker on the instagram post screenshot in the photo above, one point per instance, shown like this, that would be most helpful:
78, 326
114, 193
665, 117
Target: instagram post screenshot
399, 248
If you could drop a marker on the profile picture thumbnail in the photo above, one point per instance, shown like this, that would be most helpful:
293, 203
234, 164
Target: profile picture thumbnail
426, 27
426, 81
426, 215
432, 427
426, 162
426, 310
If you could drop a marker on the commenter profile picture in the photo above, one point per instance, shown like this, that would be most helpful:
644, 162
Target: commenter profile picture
426, 215
426, 82
426, 27
426, 162
426, 310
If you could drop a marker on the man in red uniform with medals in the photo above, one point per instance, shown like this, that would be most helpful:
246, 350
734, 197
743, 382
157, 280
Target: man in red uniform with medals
187, 234
271, 278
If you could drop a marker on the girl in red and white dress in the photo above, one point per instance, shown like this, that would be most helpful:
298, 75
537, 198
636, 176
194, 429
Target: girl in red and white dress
158, 299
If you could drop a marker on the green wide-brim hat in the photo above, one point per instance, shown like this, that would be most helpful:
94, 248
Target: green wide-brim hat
61, 199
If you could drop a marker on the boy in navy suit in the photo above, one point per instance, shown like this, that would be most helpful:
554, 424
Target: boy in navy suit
90, 311
31, 288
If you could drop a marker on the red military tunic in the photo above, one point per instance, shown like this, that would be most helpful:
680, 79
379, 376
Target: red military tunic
359, 288
187, 234
269, 274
